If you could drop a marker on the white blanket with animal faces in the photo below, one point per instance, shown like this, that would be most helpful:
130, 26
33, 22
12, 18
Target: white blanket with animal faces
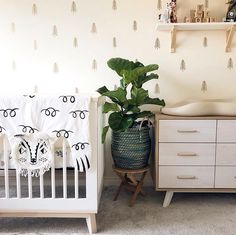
40, 122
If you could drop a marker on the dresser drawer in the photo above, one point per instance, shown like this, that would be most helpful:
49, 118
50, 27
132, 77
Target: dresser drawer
226, 131
186, 177
187, 131
226, 154
186, 154
225, 177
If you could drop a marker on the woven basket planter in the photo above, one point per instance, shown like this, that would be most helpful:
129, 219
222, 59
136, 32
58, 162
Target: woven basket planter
131, 149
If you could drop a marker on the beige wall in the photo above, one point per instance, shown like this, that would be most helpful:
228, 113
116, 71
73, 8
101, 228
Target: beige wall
22, 67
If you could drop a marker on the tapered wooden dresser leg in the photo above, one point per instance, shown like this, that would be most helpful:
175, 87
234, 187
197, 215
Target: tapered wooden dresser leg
168, 198
91, 223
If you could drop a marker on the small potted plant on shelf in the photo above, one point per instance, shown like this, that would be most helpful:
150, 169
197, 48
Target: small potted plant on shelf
131, 143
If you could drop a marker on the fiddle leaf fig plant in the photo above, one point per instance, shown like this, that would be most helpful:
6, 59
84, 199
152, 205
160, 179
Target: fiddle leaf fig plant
125, 102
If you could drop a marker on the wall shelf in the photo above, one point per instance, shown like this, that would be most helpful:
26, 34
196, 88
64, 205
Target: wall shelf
228, 27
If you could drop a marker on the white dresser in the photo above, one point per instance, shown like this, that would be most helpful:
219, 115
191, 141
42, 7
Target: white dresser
195, 154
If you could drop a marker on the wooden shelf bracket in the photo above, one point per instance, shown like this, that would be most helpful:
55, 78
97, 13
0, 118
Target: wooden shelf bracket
173, 40
229, 37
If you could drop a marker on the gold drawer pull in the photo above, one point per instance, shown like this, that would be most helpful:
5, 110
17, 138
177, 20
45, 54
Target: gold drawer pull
187, 154
187, 131
186, 177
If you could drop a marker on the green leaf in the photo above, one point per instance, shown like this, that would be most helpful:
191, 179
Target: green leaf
133, 75
155, 101
119, 122
102, 90
145, 114
118, 96
104, 133
108, 107
119, 64
138, 95
144, 79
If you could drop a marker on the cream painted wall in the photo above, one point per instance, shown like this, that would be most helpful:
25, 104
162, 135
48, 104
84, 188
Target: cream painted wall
23, 67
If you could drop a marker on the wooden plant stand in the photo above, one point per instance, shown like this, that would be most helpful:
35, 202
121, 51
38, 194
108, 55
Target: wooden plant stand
129, 182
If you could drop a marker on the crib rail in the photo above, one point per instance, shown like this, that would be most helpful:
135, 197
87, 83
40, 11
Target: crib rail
58, 190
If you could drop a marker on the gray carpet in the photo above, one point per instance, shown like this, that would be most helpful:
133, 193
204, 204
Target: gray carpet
189, 214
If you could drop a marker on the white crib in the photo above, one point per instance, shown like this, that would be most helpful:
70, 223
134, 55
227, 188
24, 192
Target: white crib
64, 205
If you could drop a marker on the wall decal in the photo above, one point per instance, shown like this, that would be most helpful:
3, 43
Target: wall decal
159, 3
13, 27
35, 45
205, 42
204, 86
135, 27
114, 5
157, 89
94, 65
34, 9
115, 87
54, 31
157, 44
75, 42
206, 3
13, 65
182, 65
76, 90
114, 42
94, 28
230, 63
73, 7
55, 68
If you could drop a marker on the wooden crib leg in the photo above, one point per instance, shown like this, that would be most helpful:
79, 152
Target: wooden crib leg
91, 223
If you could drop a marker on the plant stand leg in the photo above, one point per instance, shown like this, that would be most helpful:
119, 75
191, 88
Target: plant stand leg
91, 223
168, 198
138, 189
118, 192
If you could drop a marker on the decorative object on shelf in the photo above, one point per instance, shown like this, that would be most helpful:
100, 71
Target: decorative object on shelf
231, 13
54, 31
13, 27
14, 65
159, 4
114, 42
169, 15
35, 45
114, 5
200, 15
55, 68
34, 9
73, 7
157, 89
204, 86
230, 64
131, 143
94, 28
94, 65
157, 44
182, 65
206, 3
75, 42
135, 27
205, 42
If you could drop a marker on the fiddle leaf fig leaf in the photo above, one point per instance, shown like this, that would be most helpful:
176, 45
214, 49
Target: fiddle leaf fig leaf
104, 133
108, 107
117, 96
144, 79
102, 90
119, 122
155, 101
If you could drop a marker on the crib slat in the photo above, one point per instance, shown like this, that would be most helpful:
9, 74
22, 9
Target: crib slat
64, 169
30, 184
53, 172
5, 150
18, 185
41, 182
76, 182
